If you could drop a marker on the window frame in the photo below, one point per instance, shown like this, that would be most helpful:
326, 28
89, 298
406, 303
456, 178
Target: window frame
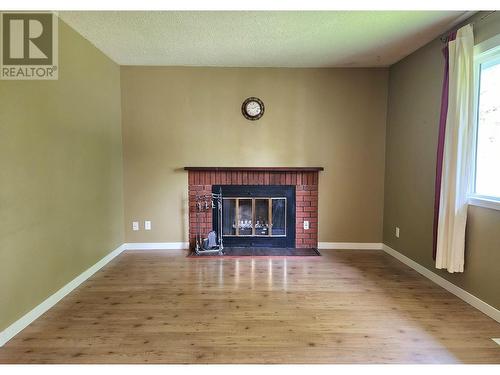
484, 52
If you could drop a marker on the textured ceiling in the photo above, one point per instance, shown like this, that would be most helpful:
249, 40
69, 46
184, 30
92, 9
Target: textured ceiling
260, 39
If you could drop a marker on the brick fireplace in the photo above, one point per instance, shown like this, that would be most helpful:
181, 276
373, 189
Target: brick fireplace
304, 180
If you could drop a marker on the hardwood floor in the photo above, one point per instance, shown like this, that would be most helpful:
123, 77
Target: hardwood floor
344, 307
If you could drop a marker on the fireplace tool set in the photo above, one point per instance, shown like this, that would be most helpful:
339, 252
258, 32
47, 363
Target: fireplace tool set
213, 243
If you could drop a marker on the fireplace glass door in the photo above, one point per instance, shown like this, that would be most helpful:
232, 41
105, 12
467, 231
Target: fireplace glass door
254, 217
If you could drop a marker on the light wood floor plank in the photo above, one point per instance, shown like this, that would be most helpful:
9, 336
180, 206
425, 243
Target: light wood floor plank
344, 307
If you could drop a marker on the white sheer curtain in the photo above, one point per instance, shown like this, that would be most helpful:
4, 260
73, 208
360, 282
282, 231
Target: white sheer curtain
457, 156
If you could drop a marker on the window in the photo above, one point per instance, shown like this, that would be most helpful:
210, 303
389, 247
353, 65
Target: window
487, 152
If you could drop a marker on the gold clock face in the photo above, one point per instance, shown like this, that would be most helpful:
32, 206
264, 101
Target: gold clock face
252, 108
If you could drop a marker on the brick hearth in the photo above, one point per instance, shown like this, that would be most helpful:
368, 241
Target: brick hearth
201, 179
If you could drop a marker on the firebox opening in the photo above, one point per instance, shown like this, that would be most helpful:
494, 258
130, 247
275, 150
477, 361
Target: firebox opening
257, 216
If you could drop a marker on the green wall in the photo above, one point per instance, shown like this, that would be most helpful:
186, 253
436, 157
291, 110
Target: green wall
61, 199
175, 117
411, 141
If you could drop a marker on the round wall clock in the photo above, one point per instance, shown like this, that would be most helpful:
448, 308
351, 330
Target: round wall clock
252, 108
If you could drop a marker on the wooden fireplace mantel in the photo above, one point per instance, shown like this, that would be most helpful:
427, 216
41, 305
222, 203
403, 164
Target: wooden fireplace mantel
256, 169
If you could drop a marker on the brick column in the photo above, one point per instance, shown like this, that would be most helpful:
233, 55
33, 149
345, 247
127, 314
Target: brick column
306, 209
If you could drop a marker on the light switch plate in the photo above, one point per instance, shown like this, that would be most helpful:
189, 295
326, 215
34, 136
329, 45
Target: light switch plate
135, 225
306, 224
147, 225
397, 232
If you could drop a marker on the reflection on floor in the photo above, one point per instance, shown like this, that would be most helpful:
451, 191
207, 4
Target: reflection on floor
344, 307
263, 251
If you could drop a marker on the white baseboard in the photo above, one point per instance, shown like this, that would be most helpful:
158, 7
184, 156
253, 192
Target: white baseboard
452, 288
349, 246
156, 246
31, 316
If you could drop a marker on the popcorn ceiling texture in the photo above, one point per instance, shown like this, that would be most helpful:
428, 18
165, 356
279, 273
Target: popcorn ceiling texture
260, 39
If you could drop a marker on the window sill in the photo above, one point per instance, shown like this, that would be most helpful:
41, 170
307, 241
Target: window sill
485, 202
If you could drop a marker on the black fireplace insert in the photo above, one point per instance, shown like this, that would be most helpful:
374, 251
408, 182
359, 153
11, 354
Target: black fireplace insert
257, 215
